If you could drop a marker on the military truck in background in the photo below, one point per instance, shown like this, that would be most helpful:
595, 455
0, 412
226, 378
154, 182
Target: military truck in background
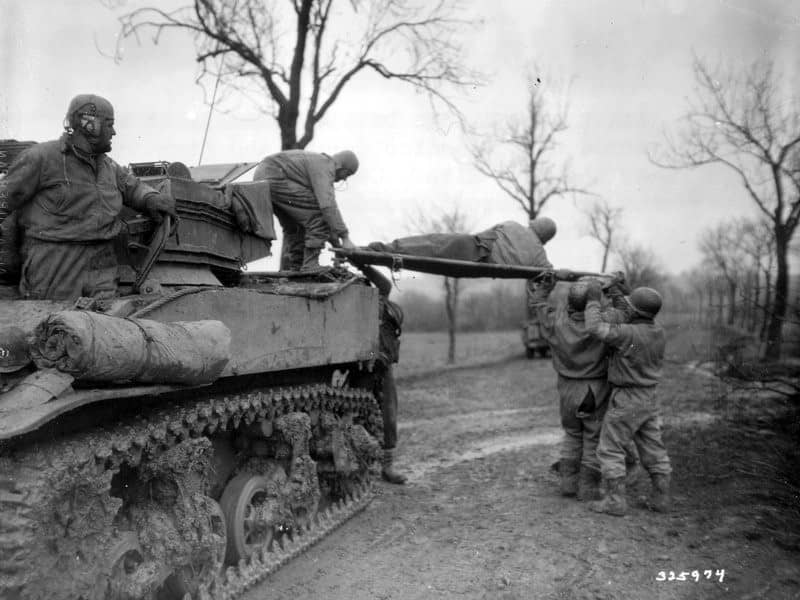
194, 433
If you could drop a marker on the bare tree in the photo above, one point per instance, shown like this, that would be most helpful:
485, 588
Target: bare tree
451, 220
757, 240
528, 171
604, 225
748, 123
640, 265
721, 248
295, 57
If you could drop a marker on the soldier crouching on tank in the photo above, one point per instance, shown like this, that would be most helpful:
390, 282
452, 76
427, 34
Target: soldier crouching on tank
581, 362
68, 194
304, 200
391, 323
634, 370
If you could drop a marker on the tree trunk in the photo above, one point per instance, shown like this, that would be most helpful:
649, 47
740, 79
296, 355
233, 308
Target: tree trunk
766, 309
451, 305
775, 329
606, 249
732, 303
756, 300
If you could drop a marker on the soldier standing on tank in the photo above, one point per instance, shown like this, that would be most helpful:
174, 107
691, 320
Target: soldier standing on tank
68, 195
581, 362
304, 200
634, 371
391, 323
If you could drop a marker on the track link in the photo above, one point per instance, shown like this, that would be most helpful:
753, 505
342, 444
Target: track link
39, 478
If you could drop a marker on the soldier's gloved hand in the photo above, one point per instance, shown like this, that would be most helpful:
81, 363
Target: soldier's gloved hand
161, 204
564, 275
594, 291
546, 280
619, 282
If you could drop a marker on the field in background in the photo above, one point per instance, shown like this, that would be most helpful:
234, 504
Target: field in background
426, 352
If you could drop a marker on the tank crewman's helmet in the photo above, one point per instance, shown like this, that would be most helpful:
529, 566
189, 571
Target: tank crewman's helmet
14, 354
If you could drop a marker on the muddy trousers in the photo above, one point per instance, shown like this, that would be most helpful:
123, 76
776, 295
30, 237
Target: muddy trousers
305, 232
386, 394
583, 403
67, 270
454, 246
632, 417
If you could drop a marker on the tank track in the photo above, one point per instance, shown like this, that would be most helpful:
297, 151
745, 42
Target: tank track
84, 463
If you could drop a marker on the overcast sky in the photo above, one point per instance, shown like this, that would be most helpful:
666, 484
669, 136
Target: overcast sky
629, 62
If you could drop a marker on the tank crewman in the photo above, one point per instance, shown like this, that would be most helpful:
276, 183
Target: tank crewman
303, 199
634, 370
391, 323
581, 362
507, 243
68, 195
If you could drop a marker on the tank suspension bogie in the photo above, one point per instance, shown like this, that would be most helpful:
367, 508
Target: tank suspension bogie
157, 508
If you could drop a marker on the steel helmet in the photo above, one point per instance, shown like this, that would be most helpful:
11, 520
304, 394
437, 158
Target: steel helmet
544, 227
346, 159
576, 297
14, 353
645, 301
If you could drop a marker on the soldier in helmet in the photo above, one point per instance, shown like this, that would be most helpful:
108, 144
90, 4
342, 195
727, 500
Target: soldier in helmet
507, 243
634, 370
581, 362
14, 356
68, 194
391, 324
303, 199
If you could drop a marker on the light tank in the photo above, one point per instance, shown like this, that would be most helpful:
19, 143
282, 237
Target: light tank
140, 488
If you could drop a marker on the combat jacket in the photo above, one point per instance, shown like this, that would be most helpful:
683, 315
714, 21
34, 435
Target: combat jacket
305, 180
638, 348
514, 244
577, 353
61, 196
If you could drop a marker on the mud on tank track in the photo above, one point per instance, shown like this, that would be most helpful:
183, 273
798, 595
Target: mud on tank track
57, 516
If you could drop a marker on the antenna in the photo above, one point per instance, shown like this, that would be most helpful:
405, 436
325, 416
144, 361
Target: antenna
210, 112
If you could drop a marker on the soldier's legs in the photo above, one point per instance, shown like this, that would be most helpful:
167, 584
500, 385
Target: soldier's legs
619, 424
66, 271
293, 246
571, 445
387, 397
102, 276
651, 447
455, 246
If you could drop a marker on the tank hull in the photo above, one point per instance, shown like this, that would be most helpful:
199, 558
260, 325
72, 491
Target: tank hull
158, 491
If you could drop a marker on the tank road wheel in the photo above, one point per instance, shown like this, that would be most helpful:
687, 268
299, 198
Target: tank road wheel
122, 581
249, 511
189, 578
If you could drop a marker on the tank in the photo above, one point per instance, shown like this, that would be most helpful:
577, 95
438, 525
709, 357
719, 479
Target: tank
146, 488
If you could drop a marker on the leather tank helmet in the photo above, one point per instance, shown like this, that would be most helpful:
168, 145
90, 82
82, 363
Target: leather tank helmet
91, 117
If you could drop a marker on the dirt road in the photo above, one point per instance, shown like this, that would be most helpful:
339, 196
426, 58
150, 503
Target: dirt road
482, 518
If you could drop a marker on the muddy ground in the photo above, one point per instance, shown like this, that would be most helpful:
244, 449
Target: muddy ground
481, 516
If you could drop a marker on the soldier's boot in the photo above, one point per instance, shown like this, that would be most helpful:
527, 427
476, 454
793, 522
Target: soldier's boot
388, 472
568, 470
588, 484
660, 500
614, 502
310, 259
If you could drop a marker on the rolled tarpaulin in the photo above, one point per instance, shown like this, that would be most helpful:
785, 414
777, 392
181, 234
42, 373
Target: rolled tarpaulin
93, 346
